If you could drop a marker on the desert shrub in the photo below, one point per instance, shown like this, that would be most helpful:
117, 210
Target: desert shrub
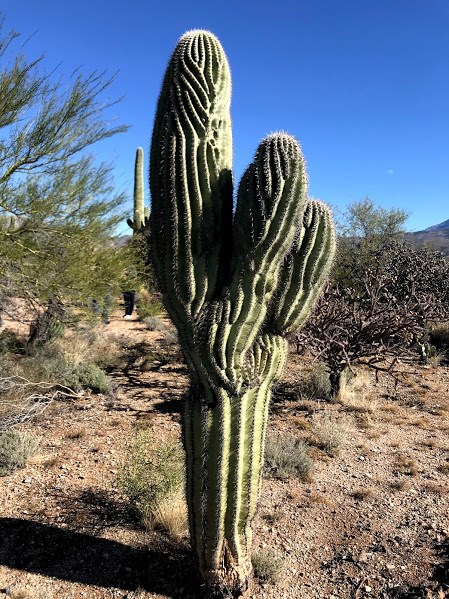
268, 565
152, 479
154, 323
87, 376
88, 343
15, 450
148, 307
10, 342
287, 457
315, 384
357, 394
331, 434
170, 338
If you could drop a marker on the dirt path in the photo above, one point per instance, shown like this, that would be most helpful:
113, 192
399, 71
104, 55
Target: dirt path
373, 521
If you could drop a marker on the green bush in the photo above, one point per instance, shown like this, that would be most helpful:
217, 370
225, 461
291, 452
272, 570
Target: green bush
15, 450
153, 472
146, 308
87, 376
287, 457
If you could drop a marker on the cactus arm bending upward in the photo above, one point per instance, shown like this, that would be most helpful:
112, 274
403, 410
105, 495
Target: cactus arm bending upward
234, 286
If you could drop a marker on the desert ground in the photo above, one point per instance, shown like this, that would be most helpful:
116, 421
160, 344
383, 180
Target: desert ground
371, 519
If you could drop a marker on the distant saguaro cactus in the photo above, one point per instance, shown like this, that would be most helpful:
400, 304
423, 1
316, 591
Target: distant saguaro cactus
234, 285
140, 213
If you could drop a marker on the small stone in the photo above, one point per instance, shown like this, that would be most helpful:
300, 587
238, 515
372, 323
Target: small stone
368, 589
27, 480
363, 557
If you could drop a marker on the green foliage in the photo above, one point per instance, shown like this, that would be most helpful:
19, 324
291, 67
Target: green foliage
15, 450
87, 376
152, 472
149, 308
287, 457
364, 233
58, 208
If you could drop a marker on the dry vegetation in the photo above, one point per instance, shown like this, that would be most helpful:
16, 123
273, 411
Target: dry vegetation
354, 500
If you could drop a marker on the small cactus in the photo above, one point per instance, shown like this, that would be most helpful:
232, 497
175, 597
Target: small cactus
234, 286
141, 213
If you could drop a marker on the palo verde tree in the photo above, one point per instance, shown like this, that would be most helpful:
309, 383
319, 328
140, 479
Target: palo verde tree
234, 285
365, 230
56, 205
59, 248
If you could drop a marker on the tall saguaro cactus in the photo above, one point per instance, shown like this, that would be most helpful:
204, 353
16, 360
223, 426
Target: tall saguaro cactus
140, 212
234, 285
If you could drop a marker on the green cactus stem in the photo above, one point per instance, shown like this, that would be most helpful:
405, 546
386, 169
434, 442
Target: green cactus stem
234, 285
141, 213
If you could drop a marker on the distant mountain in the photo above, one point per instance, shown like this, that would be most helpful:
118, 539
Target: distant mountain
435, 237
444, 226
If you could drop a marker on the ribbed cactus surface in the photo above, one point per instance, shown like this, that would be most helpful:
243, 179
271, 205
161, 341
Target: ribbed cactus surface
140, 213
234, 285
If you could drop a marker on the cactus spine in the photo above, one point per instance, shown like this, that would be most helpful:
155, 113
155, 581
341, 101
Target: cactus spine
234, 287
141, 214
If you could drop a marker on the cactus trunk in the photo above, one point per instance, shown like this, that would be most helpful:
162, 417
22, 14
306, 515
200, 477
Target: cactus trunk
140, 212
234, 286
224, 443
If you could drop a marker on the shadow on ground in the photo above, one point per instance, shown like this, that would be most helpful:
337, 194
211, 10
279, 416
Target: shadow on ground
42, 549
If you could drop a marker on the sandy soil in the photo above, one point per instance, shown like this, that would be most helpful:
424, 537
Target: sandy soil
373, 521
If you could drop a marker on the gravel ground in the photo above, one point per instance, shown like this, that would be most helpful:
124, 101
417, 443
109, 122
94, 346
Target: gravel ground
372, 520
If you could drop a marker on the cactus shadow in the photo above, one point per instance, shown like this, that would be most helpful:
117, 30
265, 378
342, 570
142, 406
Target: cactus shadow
42, 549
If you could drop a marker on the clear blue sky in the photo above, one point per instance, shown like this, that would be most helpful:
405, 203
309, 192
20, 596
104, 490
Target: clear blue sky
363, 84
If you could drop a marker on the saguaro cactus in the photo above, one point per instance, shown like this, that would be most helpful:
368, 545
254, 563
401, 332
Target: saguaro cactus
141, 213
234, 285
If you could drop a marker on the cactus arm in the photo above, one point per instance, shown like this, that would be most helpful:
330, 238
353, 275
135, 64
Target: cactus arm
305, 269
190, 173
270, 204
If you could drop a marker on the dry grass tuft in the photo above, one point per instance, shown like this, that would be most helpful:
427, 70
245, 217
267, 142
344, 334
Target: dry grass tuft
77, 433
331, 433
170, 515
287, 457
405, 465
400, 485
152, 479
357, 394
435, 488
268, 565
362, 494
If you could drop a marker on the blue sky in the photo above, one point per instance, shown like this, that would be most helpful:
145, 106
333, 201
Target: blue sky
362, 84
